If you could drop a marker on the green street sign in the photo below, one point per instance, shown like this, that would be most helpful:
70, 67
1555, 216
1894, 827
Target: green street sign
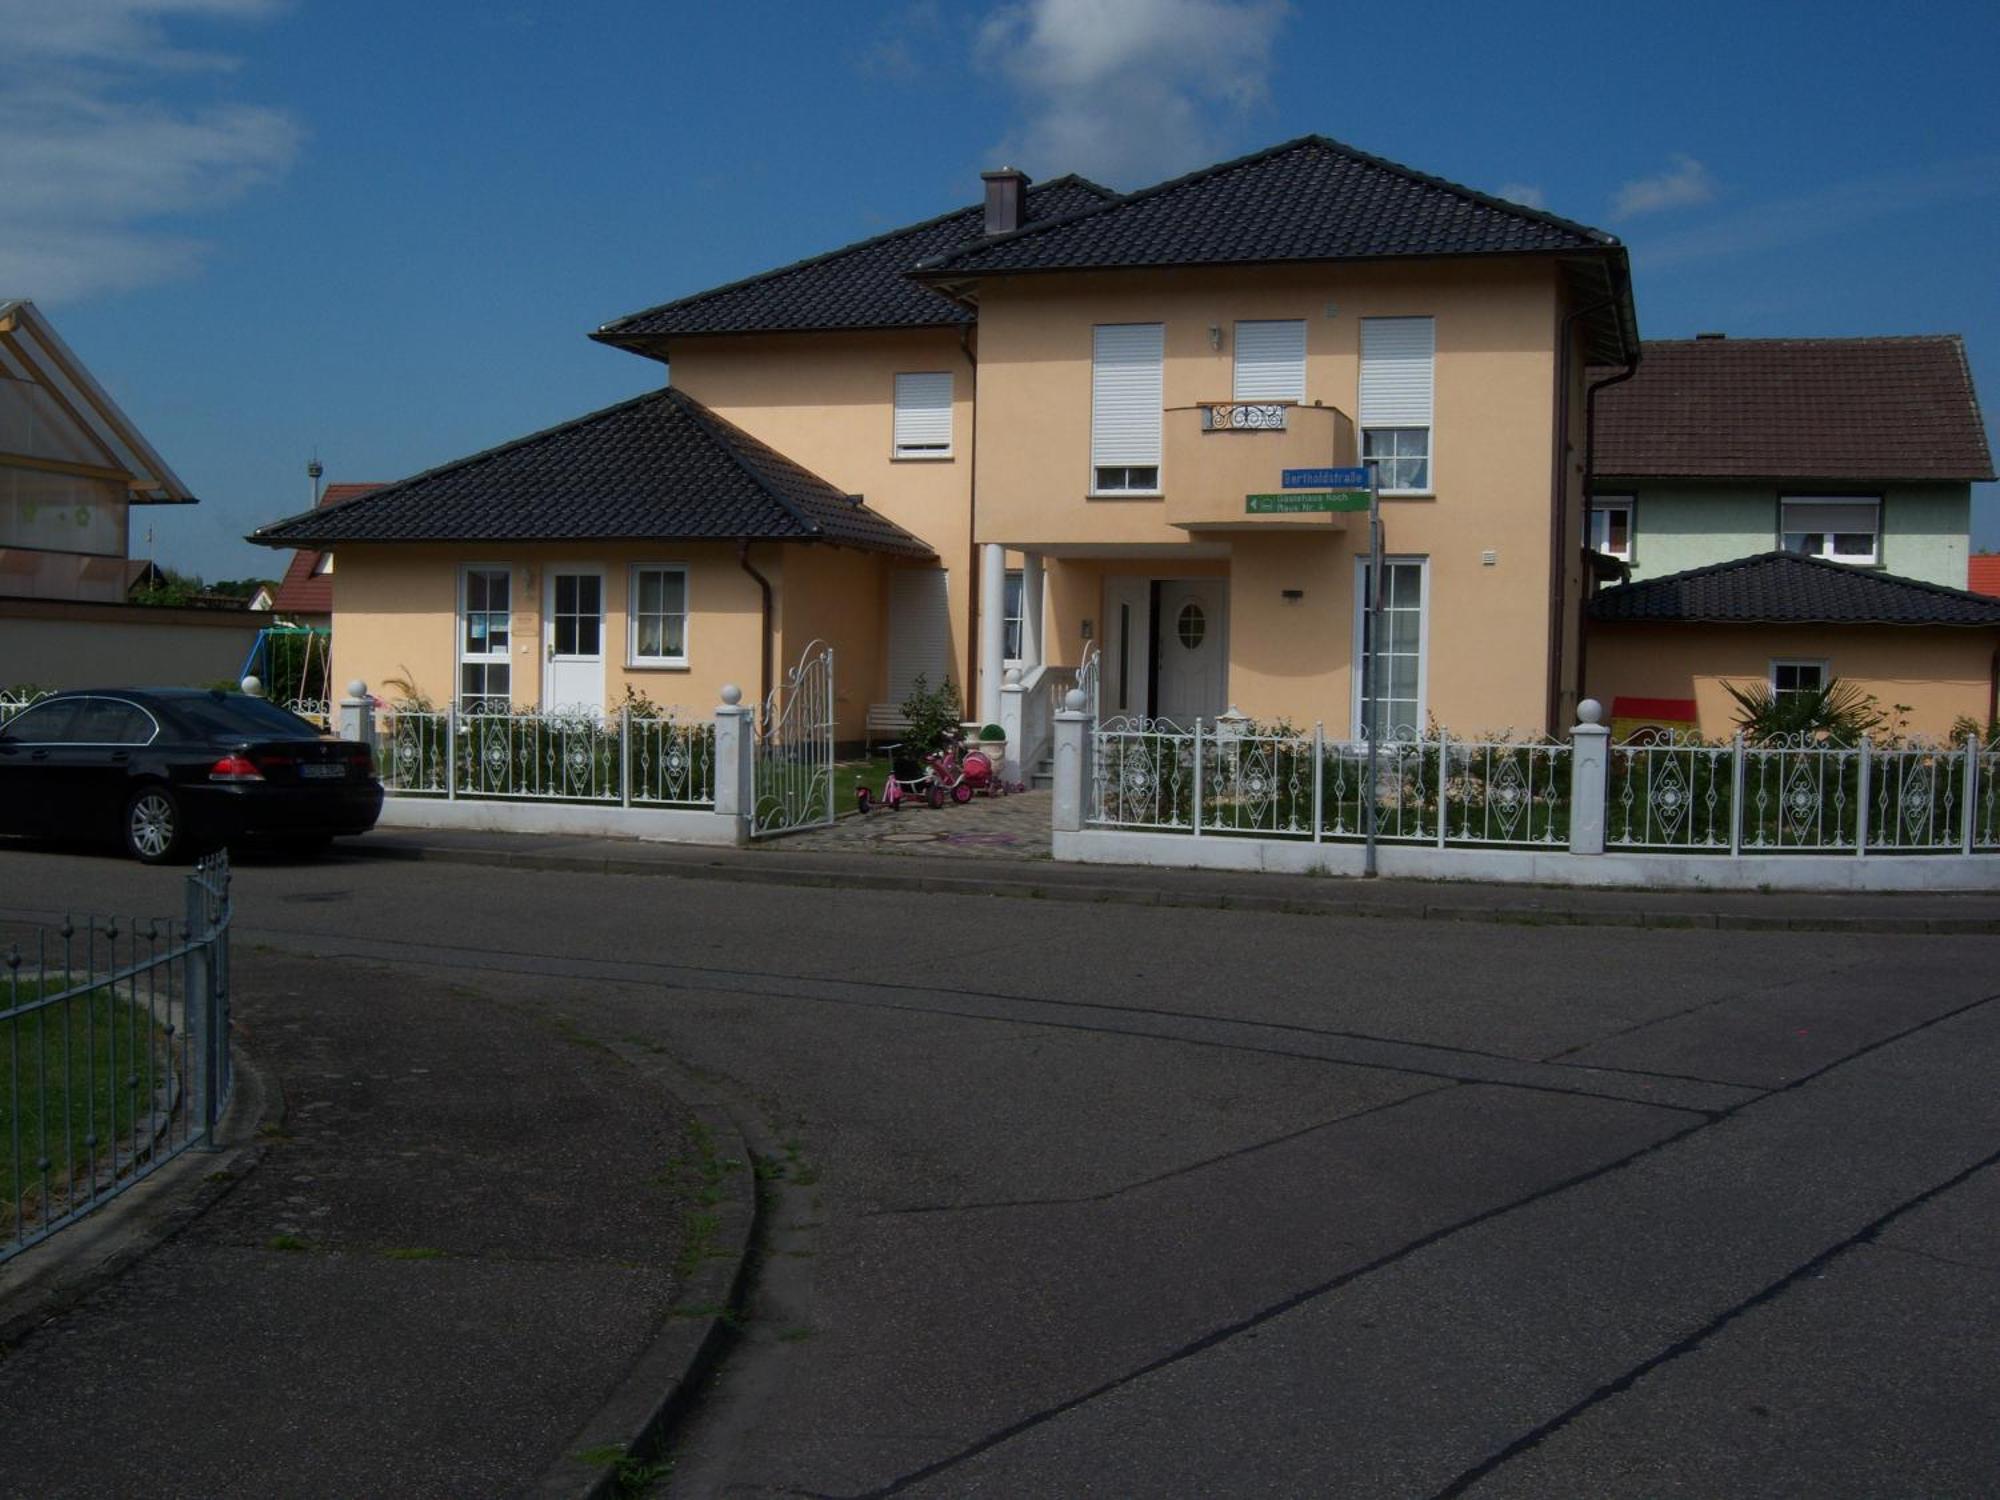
1305, 500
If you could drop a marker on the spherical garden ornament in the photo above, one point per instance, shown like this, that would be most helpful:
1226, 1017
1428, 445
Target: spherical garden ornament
1590, 711
252, 686
731, 694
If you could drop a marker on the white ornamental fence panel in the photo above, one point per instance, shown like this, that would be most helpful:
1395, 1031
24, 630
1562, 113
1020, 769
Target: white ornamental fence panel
792, 762
625, 759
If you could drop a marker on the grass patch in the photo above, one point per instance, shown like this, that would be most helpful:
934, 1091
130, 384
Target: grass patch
292, 1243
847, 774
632, 1476
78, 1075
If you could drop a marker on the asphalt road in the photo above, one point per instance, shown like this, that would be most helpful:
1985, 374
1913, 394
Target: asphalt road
1131, 1201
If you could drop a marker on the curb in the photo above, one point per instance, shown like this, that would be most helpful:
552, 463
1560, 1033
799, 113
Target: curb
1022, 888
656, 1392
79, 1259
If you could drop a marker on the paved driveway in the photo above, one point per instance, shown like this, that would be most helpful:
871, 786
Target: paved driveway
1119, 1200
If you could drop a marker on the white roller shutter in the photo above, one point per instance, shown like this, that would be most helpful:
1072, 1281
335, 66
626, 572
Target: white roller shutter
1271, 361
919, 630
1830, 515
1125, 393
1397, 357
923, 414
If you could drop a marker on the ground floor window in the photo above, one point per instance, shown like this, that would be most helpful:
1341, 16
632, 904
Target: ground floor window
1016, 589
1611, 527
1397, 707
485, 635
1792, 680
659, 617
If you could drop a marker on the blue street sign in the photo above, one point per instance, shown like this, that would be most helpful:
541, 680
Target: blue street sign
1326, 479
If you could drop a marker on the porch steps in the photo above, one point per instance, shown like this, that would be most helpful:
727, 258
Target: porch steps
1043, 777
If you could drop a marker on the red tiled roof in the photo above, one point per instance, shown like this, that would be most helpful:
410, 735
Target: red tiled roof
304, 590
1982, 573
1866, 409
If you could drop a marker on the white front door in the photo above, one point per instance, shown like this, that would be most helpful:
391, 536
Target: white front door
1192, 649
1125, 668
573, 641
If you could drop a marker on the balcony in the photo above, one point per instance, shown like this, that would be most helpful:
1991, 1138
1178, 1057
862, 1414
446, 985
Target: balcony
1217, 452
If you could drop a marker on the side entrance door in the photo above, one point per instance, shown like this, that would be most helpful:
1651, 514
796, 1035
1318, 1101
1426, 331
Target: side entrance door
1191, 649
573, 641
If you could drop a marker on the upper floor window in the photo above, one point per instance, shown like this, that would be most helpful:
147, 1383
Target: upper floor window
1611, 526
1126, 385
923, 415
1398, 356
1839, 529
1271, 360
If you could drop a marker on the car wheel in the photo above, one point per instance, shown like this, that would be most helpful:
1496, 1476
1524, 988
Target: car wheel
153, 831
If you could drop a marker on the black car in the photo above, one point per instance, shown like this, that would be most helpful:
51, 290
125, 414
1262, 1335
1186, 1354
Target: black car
176, 771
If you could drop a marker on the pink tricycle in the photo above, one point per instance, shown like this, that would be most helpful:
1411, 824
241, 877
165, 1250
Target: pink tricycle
951, 772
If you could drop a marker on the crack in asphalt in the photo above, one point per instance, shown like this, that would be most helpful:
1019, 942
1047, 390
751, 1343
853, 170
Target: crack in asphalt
1218, 1336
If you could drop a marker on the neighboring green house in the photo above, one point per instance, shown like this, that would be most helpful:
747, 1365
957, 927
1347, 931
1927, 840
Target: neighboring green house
1858, 451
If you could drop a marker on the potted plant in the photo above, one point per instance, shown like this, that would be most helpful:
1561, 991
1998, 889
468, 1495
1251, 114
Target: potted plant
993, 744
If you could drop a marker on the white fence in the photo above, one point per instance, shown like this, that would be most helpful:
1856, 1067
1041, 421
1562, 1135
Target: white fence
1233, 779
622, 760
1753, 806
12, 703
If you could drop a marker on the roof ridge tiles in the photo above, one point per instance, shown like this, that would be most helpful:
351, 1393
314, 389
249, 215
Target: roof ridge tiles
1633, 601
944, 261
708, 421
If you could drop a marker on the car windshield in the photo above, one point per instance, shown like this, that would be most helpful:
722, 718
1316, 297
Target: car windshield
235, 716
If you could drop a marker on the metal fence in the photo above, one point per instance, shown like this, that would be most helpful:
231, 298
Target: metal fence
622, 759
1230, 779
14, 701
117, 1054
1663, 793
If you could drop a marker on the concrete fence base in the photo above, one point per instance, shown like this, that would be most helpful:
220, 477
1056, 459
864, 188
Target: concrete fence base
1715, 872
673, 825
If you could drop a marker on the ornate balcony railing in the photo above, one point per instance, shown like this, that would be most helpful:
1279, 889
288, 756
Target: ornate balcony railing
1243, 416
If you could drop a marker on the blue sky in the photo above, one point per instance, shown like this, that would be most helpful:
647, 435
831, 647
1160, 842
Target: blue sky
382, 230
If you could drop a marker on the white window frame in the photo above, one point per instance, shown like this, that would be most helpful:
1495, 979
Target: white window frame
1606, 503
903, 443
1873, 504
1377, 412
1423, 566
1819, 664
460, 655
1254, 391
1014, 598
1125, 461
633, 659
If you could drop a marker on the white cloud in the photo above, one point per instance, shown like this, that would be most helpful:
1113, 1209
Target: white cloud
1830, 210
1524, 193
1687, 184
96, 154
1129, 90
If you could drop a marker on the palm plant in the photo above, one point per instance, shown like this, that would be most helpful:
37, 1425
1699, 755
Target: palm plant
1836, 712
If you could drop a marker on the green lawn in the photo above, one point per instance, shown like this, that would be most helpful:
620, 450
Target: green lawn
67, 1073
847, 773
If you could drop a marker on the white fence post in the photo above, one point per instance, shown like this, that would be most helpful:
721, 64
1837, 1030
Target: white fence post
1013, 719
1971, 788
1589, 779
1195, 819
1072, 764
1861, 797
357, 715
1738, 787
735, 775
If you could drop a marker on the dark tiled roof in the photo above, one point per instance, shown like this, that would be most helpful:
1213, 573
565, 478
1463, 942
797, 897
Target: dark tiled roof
1311, 199
305, 590
1783, 588
1865, 409
864, 285
659, 467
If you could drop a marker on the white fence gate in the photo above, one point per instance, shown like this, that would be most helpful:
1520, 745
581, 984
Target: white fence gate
793, 759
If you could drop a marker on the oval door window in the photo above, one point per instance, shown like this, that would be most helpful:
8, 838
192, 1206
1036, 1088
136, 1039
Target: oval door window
1193, 625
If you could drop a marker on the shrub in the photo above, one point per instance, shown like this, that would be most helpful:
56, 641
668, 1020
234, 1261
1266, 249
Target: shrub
1838, 712
933, 715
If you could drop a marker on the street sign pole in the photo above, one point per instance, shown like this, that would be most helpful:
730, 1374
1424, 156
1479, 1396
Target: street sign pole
1370, 646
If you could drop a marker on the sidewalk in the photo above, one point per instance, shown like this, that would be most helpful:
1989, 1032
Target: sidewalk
448, 1272
803, 861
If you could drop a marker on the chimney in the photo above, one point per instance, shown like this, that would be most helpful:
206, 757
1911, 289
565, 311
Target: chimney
1705, 337
1006, 199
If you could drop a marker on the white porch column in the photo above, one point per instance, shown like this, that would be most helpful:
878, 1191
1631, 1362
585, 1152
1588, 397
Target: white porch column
992, 628
1032, 574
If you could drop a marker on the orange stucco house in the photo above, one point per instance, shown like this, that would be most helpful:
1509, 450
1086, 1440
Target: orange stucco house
999, 440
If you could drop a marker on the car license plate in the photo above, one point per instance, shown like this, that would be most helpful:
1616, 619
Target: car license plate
330, 771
